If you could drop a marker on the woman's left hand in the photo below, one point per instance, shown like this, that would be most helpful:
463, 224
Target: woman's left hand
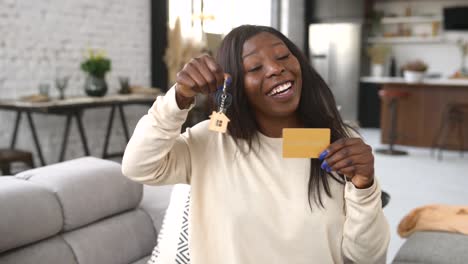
351, 157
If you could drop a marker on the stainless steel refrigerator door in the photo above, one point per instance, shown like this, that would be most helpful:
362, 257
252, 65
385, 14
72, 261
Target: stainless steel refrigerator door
335, 50
319, 48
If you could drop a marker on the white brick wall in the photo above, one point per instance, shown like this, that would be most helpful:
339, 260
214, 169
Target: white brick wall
40, 39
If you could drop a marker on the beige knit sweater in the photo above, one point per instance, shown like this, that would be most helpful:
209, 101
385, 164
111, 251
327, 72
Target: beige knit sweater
253, 208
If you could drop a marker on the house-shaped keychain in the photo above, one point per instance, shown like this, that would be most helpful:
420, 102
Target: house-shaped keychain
218, 122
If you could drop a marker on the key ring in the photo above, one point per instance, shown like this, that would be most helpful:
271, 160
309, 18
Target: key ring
219, 120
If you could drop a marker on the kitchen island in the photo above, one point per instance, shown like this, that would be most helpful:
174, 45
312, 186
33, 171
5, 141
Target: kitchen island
420, 114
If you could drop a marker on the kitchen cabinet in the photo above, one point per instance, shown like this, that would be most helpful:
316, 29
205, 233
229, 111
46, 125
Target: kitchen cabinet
324, 10
369, 105
420, 114
350, 9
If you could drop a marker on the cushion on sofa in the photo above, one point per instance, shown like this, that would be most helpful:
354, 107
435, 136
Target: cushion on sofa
142, 261
121, 239
89, 189
433, 248
172, 247
50, 251
28, 212
155, 202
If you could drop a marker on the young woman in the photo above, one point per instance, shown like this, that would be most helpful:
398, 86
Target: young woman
248, 203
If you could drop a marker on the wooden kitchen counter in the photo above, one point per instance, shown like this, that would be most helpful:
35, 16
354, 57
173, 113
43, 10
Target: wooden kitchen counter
420, 114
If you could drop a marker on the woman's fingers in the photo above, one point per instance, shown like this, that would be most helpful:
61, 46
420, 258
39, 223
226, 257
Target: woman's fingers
340, 149
347, 152
354, 170
360, 162
209, 78
346, 161
351, 157
202, 85
200, 75
215, 68
185, 84
354, 174
342, 143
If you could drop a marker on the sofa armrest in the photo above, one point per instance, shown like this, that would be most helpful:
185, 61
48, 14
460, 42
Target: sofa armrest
155, 202
433, 247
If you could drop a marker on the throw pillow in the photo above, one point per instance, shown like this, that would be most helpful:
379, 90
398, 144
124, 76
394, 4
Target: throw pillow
172, 247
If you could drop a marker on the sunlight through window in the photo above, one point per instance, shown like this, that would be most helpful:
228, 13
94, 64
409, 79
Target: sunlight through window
218, 17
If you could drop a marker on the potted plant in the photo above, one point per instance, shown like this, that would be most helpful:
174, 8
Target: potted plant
375, 21
414, 71
378, 55
96, 65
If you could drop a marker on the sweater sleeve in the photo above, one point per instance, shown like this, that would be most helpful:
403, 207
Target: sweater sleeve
366, 233
157, 154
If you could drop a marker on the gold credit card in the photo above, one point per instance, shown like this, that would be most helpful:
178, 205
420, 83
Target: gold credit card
305, 142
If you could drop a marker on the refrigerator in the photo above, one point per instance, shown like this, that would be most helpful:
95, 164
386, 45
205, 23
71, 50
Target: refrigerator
335, 53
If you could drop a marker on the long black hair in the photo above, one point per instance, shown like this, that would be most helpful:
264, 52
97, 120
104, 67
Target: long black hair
317, 106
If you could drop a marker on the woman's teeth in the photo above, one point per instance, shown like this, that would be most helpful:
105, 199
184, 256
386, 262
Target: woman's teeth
280, 89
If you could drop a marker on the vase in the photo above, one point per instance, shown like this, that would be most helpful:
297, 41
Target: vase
463, 68
377, 70
95, 86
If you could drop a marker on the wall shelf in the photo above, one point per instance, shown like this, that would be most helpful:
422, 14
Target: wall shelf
405, 40
421, 29
411, 19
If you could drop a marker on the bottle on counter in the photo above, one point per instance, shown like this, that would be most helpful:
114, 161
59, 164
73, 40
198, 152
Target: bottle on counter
393, 67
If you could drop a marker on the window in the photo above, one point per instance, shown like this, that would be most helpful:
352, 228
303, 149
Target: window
219, 17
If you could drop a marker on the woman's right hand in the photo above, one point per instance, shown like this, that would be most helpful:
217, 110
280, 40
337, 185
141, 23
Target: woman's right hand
199, 75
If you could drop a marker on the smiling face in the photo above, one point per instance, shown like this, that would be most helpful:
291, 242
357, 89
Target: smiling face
273, 79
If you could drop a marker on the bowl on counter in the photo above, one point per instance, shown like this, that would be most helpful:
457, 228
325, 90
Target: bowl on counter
413, 76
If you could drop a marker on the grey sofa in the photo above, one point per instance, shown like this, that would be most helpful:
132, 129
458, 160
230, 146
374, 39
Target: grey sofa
433, 248
82, 211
